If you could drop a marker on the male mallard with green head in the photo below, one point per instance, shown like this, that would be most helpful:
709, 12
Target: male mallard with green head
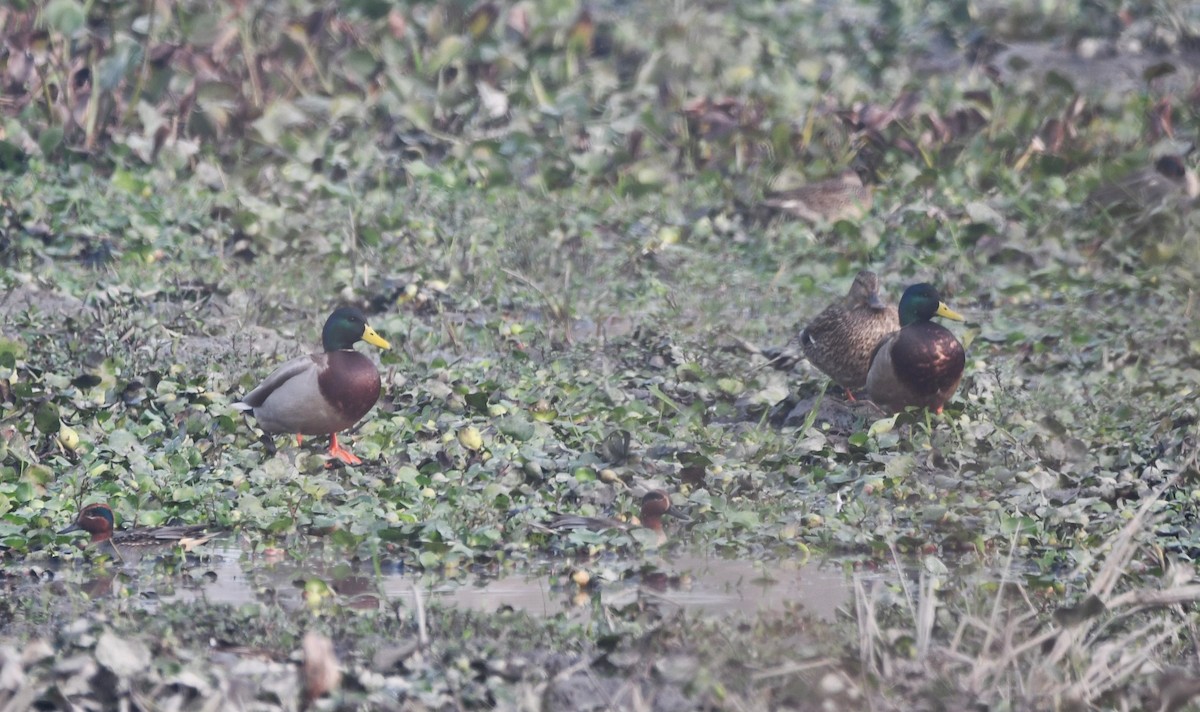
324, 393
922, 363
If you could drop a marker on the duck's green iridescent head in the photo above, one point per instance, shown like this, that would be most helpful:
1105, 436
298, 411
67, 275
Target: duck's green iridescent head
95, 519
921, 302
345, 327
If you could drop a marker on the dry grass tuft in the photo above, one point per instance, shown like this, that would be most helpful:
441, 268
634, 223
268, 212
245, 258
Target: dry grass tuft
1108, 650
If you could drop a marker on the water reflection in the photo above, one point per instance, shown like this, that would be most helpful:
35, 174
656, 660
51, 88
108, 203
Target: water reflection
709, 585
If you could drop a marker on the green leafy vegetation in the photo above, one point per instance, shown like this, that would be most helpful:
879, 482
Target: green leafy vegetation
555, 213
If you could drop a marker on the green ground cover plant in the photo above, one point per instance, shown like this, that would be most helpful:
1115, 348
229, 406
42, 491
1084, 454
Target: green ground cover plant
554, 212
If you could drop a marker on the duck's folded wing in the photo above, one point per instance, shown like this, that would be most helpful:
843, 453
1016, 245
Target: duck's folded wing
883, 385
288, 371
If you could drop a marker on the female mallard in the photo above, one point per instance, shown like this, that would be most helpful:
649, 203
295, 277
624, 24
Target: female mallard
1168, 182
841, 339
842, 198
922, 363
131, 545
322, 394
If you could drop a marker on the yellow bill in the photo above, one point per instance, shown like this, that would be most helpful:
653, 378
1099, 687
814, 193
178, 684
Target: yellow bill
372, 337
948, 313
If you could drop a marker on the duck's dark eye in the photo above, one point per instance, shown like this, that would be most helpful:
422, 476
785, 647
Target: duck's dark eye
1171, 167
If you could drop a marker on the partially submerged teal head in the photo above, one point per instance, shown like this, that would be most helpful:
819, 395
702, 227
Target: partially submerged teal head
655, 505
95, 519
98, 521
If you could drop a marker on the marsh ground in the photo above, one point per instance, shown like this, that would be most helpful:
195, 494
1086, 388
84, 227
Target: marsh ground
553, 213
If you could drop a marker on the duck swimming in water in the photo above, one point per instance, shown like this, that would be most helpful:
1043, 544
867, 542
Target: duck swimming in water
131, 545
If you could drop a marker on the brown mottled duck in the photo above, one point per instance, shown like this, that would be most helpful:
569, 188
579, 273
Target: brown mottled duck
840, 340
842, 198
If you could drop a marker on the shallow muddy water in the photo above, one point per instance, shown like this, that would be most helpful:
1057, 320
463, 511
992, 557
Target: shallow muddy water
709, 586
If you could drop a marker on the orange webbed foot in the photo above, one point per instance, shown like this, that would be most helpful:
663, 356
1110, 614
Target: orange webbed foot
341, 453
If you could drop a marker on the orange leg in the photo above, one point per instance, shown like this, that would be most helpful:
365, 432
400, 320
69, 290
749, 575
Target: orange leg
850, 396
341, 453
299, 439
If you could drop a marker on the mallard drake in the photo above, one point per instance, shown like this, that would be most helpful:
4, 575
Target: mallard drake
840, 340
325, 393
922, 363
133, 544
842, 198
